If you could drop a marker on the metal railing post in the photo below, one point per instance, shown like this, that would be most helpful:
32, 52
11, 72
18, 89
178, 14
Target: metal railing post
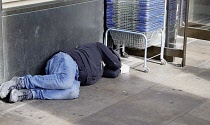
185, 33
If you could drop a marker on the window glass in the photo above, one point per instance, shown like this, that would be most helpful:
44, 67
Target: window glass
199, 16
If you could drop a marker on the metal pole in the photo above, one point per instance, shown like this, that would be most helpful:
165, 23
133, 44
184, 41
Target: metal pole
185, 33
163, 37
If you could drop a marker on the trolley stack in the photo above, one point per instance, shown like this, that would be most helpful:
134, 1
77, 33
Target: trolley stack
136, 24
143, 16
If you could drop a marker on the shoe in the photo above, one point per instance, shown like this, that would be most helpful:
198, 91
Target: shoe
6, 87
20, 95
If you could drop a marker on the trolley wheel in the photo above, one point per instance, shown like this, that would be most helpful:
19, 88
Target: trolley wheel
146, 69
163, 62
124, 55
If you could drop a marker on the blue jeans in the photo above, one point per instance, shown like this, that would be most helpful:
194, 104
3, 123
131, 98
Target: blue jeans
60, 81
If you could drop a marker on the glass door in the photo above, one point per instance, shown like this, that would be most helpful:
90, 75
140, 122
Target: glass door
199, 19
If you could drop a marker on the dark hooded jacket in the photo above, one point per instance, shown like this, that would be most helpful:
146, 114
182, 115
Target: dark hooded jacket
94, 61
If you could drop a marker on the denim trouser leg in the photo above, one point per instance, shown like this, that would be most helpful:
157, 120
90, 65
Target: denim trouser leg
60, 81
70, 93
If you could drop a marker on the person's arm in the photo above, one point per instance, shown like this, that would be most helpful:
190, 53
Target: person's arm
111, 60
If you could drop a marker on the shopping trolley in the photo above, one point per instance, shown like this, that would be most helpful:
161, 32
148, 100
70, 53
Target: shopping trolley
136, 24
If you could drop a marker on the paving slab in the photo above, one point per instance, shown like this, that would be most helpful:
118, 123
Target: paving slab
157, 73
193, 82
128, 84
195, 58
155, 106
6, 107
194, 77
39, 115
205, 66
199, 46
176, 123
192, 120
11, 119
202, 112
197, 52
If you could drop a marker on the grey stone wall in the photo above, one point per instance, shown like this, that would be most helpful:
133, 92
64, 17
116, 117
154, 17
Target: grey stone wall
31, 38
1, 58
1, 47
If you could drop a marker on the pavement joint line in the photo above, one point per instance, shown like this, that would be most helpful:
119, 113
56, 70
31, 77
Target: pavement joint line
16, 107
193, 40
118, 102
202, 63
205, 101
172, 77
167, 79
19, 106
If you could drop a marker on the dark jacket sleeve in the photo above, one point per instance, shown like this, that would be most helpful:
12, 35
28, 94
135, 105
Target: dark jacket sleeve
111, 60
